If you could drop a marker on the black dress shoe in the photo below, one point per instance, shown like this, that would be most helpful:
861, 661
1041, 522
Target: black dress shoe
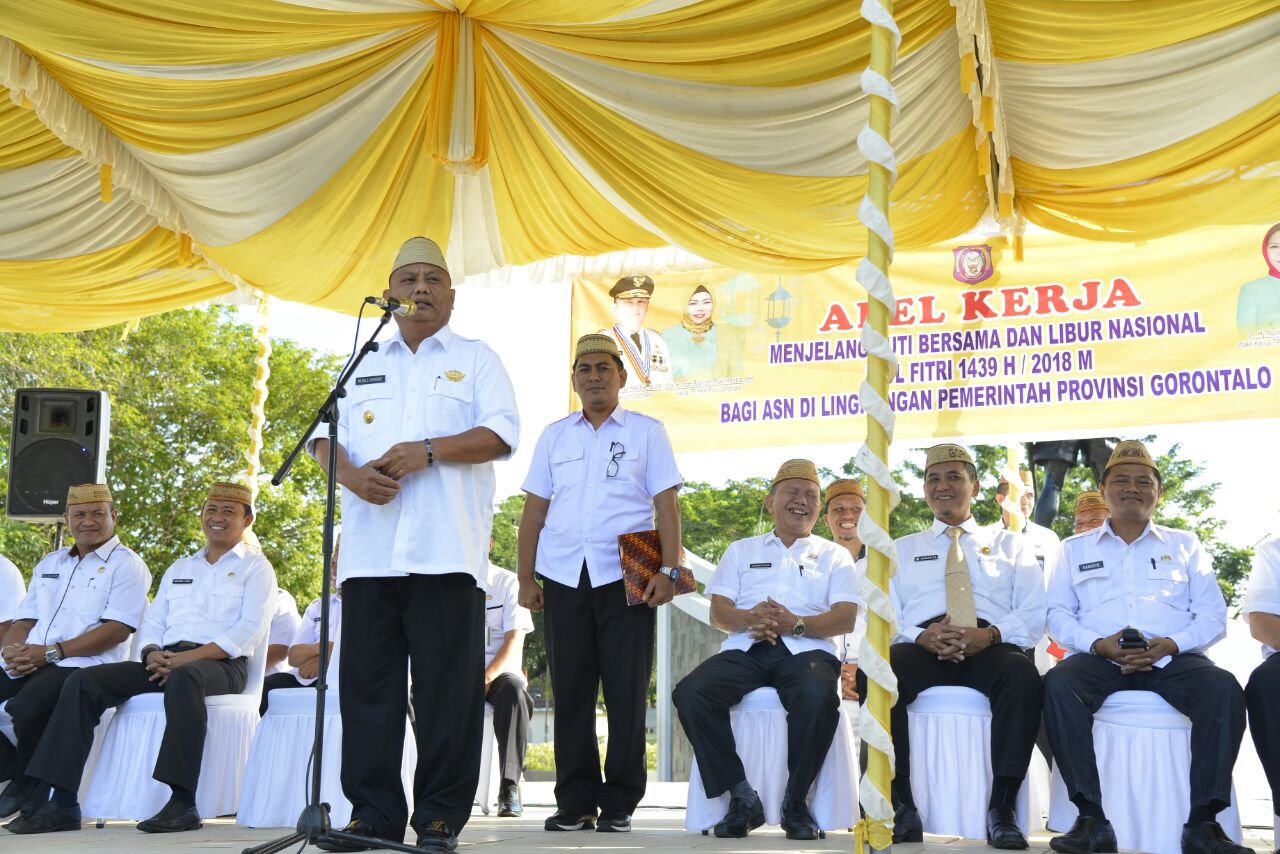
358, 827
907, 826
172, 818
744, 816
613, 823
509, 805
49, 818
14, 797
1209, 838
1003, 831
438, 838
798, 822
1086, 836
570, 820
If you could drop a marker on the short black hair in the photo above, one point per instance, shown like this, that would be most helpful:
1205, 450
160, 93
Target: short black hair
970, 468
617, 360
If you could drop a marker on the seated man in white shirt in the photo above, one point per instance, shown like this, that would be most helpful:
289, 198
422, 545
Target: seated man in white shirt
1135, 604
1044, 542
970, 601
212, 609
302, 650
789, 586
1262, 694
505, 688
83, 605
845, 503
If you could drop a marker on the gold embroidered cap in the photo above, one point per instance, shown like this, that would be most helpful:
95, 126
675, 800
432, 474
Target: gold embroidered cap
1131, 451
1024, 474
632, 287
224, 491
1087, 501
88, 493
420, 250
844, 486
947, 453
803, 469
596, 343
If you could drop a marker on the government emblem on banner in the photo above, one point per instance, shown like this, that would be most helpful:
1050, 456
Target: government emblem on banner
972, 264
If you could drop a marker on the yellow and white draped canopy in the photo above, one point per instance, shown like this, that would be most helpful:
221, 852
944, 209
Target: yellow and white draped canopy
156, 153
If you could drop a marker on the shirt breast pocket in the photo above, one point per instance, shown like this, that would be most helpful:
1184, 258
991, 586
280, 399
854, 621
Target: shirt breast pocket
91, 601
369, 421
1093, 587
179, 601
814, 582
626, 479
449, 408
225, 601
566, 467
1170, 583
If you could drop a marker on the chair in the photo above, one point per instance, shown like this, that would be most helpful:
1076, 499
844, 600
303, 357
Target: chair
950, 730
760, 729
276, 785
487, 789
1141, 740
121, 785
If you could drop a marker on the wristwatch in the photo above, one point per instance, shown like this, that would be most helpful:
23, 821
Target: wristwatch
672, 572
53, 654
797, 631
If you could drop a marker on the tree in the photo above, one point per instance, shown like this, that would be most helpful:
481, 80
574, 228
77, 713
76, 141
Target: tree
181, 389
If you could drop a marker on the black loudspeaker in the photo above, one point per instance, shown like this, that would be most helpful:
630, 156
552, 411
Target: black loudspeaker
59, 440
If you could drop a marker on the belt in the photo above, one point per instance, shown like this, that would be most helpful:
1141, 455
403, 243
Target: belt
182, 646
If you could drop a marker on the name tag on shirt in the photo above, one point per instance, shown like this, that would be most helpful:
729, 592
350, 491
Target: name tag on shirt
182, 581
765, 565
376, 378
920, 558
50, 575
1089, 567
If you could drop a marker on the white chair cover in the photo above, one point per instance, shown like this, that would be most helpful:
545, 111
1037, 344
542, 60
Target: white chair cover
1141, 742
6, 729
121, 785
760, 728
950, 730
487, 789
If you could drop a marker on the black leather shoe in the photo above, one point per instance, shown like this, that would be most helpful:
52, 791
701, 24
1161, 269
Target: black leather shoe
356, 826
744, 816
509, 805
569, 820
172, 818
1003, 831
907, 826
1086, 836
613, 823
798, 822
14, 797
438, 838
49, 818
1209, 838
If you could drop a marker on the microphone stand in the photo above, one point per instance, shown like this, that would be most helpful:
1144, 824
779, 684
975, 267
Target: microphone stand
313, 824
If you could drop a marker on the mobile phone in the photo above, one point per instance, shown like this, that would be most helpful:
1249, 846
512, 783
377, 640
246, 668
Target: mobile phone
1131, 638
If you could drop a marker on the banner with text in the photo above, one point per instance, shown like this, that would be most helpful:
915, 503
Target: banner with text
1079, 336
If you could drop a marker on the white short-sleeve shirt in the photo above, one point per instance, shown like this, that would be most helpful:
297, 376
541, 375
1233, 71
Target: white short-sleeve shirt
809, 577
12, 589
1263, 595
601, 483
70, 595
1008, 584
502, 613
284, 623
1162, 584
847, 646
309, 628
441, 519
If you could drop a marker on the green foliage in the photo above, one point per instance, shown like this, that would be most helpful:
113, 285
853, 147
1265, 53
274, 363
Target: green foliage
181, 390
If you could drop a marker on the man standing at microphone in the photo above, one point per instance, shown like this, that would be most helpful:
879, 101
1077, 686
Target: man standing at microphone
419, 429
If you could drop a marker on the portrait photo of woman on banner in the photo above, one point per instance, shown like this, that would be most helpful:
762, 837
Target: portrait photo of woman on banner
1258, 306
702, 347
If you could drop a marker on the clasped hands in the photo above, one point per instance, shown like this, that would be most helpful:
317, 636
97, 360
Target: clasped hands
953, 643
161, 664
767, 619
378, 481
1135, 660
23, 659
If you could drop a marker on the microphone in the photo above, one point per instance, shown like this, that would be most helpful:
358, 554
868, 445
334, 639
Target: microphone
393, 305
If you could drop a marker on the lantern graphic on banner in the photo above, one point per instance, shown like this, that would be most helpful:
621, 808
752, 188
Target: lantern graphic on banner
779, 314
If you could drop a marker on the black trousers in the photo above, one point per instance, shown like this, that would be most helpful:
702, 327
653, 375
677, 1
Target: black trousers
60, 756
434, 625
1078, 686
512, 708
30, 703
1003, 673
274, 681
595, 639
807, 686
1262, 696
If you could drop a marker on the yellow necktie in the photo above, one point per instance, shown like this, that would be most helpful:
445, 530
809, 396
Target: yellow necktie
959, 586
